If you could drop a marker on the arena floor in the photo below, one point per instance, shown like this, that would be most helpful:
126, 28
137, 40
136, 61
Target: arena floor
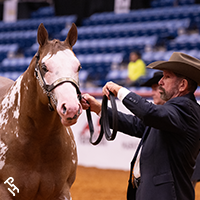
99, 184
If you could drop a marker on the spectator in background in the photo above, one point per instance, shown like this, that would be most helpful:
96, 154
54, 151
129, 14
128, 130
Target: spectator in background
136, 69
153, 83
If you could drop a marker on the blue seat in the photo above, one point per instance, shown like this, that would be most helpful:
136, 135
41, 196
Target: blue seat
15, 64
185, 41
11, 75
8, 49
101, 58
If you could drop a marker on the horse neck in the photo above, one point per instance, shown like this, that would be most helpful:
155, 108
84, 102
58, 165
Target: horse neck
33, 111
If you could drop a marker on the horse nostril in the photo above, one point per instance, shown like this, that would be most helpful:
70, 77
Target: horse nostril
64, 109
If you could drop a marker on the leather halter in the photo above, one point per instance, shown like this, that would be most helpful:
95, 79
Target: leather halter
105, 128
48, 88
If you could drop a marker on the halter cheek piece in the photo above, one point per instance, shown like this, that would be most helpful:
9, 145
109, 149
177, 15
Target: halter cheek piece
48, 88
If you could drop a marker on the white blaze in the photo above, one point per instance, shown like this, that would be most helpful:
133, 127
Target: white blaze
66, 65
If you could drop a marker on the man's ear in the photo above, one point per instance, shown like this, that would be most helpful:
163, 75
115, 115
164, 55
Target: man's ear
183, 85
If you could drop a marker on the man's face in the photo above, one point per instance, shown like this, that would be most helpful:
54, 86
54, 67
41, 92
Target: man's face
156, 95
169, 85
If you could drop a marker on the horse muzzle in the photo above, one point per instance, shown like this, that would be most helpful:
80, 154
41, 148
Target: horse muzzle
69, 116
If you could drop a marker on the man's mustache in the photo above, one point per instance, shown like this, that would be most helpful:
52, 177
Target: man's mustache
161, 88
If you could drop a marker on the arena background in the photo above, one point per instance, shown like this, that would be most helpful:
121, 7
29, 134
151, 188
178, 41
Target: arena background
103, 170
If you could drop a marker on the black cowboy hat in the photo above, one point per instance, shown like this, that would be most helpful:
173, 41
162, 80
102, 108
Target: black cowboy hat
182, 64
154, 80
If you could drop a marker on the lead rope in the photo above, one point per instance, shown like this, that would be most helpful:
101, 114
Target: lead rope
105, 128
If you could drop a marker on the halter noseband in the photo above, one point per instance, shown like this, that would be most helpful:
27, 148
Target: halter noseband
48, 88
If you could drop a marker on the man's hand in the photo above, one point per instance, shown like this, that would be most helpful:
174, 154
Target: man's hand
89, 101
113, 87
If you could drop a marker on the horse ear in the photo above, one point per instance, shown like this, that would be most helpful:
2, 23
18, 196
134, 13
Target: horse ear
72, 35
42, 35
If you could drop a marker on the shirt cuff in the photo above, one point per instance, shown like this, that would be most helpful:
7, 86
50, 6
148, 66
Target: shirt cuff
122, 93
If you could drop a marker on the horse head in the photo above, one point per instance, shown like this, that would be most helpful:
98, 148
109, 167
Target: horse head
57, 71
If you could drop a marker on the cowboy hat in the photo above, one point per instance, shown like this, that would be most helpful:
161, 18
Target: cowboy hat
182, 64
154, 80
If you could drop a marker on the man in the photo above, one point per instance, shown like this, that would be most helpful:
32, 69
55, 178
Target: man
153, 83
173, 130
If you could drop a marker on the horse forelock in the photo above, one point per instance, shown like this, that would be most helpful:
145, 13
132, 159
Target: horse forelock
53, 46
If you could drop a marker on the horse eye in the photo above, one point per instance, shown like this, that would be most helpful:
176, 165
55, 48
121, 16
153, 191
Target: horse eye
44, 68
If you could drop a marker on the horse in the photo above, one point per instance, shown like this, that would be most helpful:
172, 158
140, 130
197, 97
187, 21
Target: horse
38, 156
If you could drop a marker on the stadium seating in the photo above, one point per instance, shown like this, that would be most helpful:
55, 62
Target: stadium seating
19, 37
43, 12
167, 3
161, 28
8, 49
111, 45
15, 64
53, 24
185, 41
152, 56
151, 14
12, 75
105, 39
22, 38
